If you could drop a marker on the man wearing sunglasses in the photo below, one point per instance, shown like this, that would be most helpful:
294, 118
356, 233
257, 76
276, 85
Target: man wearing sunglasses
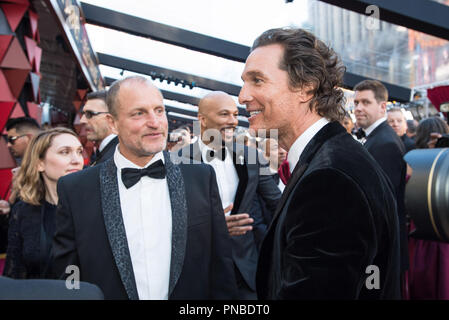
20, 132
95, 119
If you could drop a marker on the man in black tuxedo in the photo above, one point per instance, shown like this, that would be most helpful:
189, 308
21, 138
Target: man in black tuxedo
384, 145
336, 222
240, 182
95, 115
137, 225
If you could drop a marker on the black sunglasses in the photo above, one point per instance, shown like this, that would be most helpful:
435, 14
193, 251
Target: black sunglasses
13, 139
89, 114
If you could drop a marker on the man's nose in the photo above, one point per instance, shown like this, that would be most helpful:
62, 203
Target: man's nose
244, 95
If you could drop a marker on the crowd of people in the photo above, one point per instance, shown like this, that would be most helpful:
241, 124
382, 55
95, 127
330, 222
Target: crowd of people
159, 215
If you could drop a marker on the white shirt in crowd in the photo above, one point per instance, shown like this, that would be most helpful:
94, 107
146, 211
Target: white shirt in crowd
227, 178
105, 141
301, 142
147, 216
374, 126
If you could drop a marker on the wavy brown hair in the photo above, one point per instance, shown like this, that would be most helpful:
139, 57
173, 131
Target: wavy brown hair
29, 183
310, 62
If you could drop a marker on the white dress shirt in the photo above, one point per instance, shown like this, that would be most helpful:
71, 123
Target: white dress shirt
374, 126
227, 178
147, 216
105, 141
301, 142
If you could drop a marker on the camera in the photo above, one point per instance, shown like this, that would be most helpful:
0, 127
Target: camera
427, 193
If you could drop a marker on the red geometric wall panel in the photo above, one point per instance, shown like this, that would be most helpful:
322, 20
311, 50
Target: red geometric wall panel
19, 74
5, 111
17, 1
35, 111
33, 22
31, 45
16, 79
5, 182
17, 112
14, 13
37, 59
5, 40
15, 57
6, 159
5, 92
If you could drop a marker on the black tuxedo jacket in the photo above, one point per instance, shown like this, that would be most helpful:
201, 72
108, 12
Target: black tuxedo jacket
387, 148
337, 216
251, 183
107, 152
91, 235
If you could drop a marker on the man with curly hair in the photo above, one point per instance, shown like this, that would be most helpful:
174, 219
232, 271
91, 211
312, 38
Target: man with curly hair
335, 231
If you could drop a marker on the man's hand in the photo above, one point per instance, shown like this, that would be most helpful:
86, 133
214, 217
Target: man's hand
238, 224
4, 207
434, 136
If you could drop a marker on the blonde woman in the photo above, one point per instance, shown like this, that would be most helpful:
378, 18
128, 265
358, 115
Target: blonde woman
50, 155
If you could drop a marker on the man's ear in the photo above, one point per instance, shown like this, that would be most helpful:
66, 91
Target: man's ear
202, 119
112, 123
305, 93
383, 106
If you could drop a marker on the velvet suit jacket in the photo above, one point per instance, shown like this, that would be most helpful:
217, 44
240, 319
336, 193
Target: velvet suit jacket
91, 235
387, 148
251, 183
336, 217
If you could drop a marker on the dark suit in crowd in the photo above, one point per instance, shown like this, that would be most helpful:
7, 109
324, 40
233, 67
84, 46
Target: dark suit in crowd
30, 235
337, 216
91, 233
106, 153
408, 142
387, 148
39, 289
251, 185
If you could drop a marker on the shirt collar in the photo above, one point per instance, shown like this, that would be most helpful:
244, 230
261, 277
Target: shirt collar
374, 126
105, 141
301, 142
121, 162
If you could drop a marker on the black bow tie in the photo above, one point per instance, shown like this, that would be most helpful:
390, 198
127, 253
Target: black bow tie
131, 176
360, 134
216, 154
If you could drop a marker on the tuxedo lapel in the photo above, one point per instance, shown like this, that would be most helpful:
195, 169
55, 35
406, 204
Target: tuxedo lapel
372, 136
178, 202
327, 132
239, 161
115, 228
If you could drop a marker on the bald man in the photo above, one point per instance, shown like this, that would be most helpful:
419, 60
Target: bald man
239, 183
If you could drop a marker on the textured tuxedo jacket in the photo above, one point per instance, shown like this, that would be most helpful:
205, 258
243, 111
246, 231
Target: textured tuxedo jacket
337, 216
387, 148
251, 183
90, 233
